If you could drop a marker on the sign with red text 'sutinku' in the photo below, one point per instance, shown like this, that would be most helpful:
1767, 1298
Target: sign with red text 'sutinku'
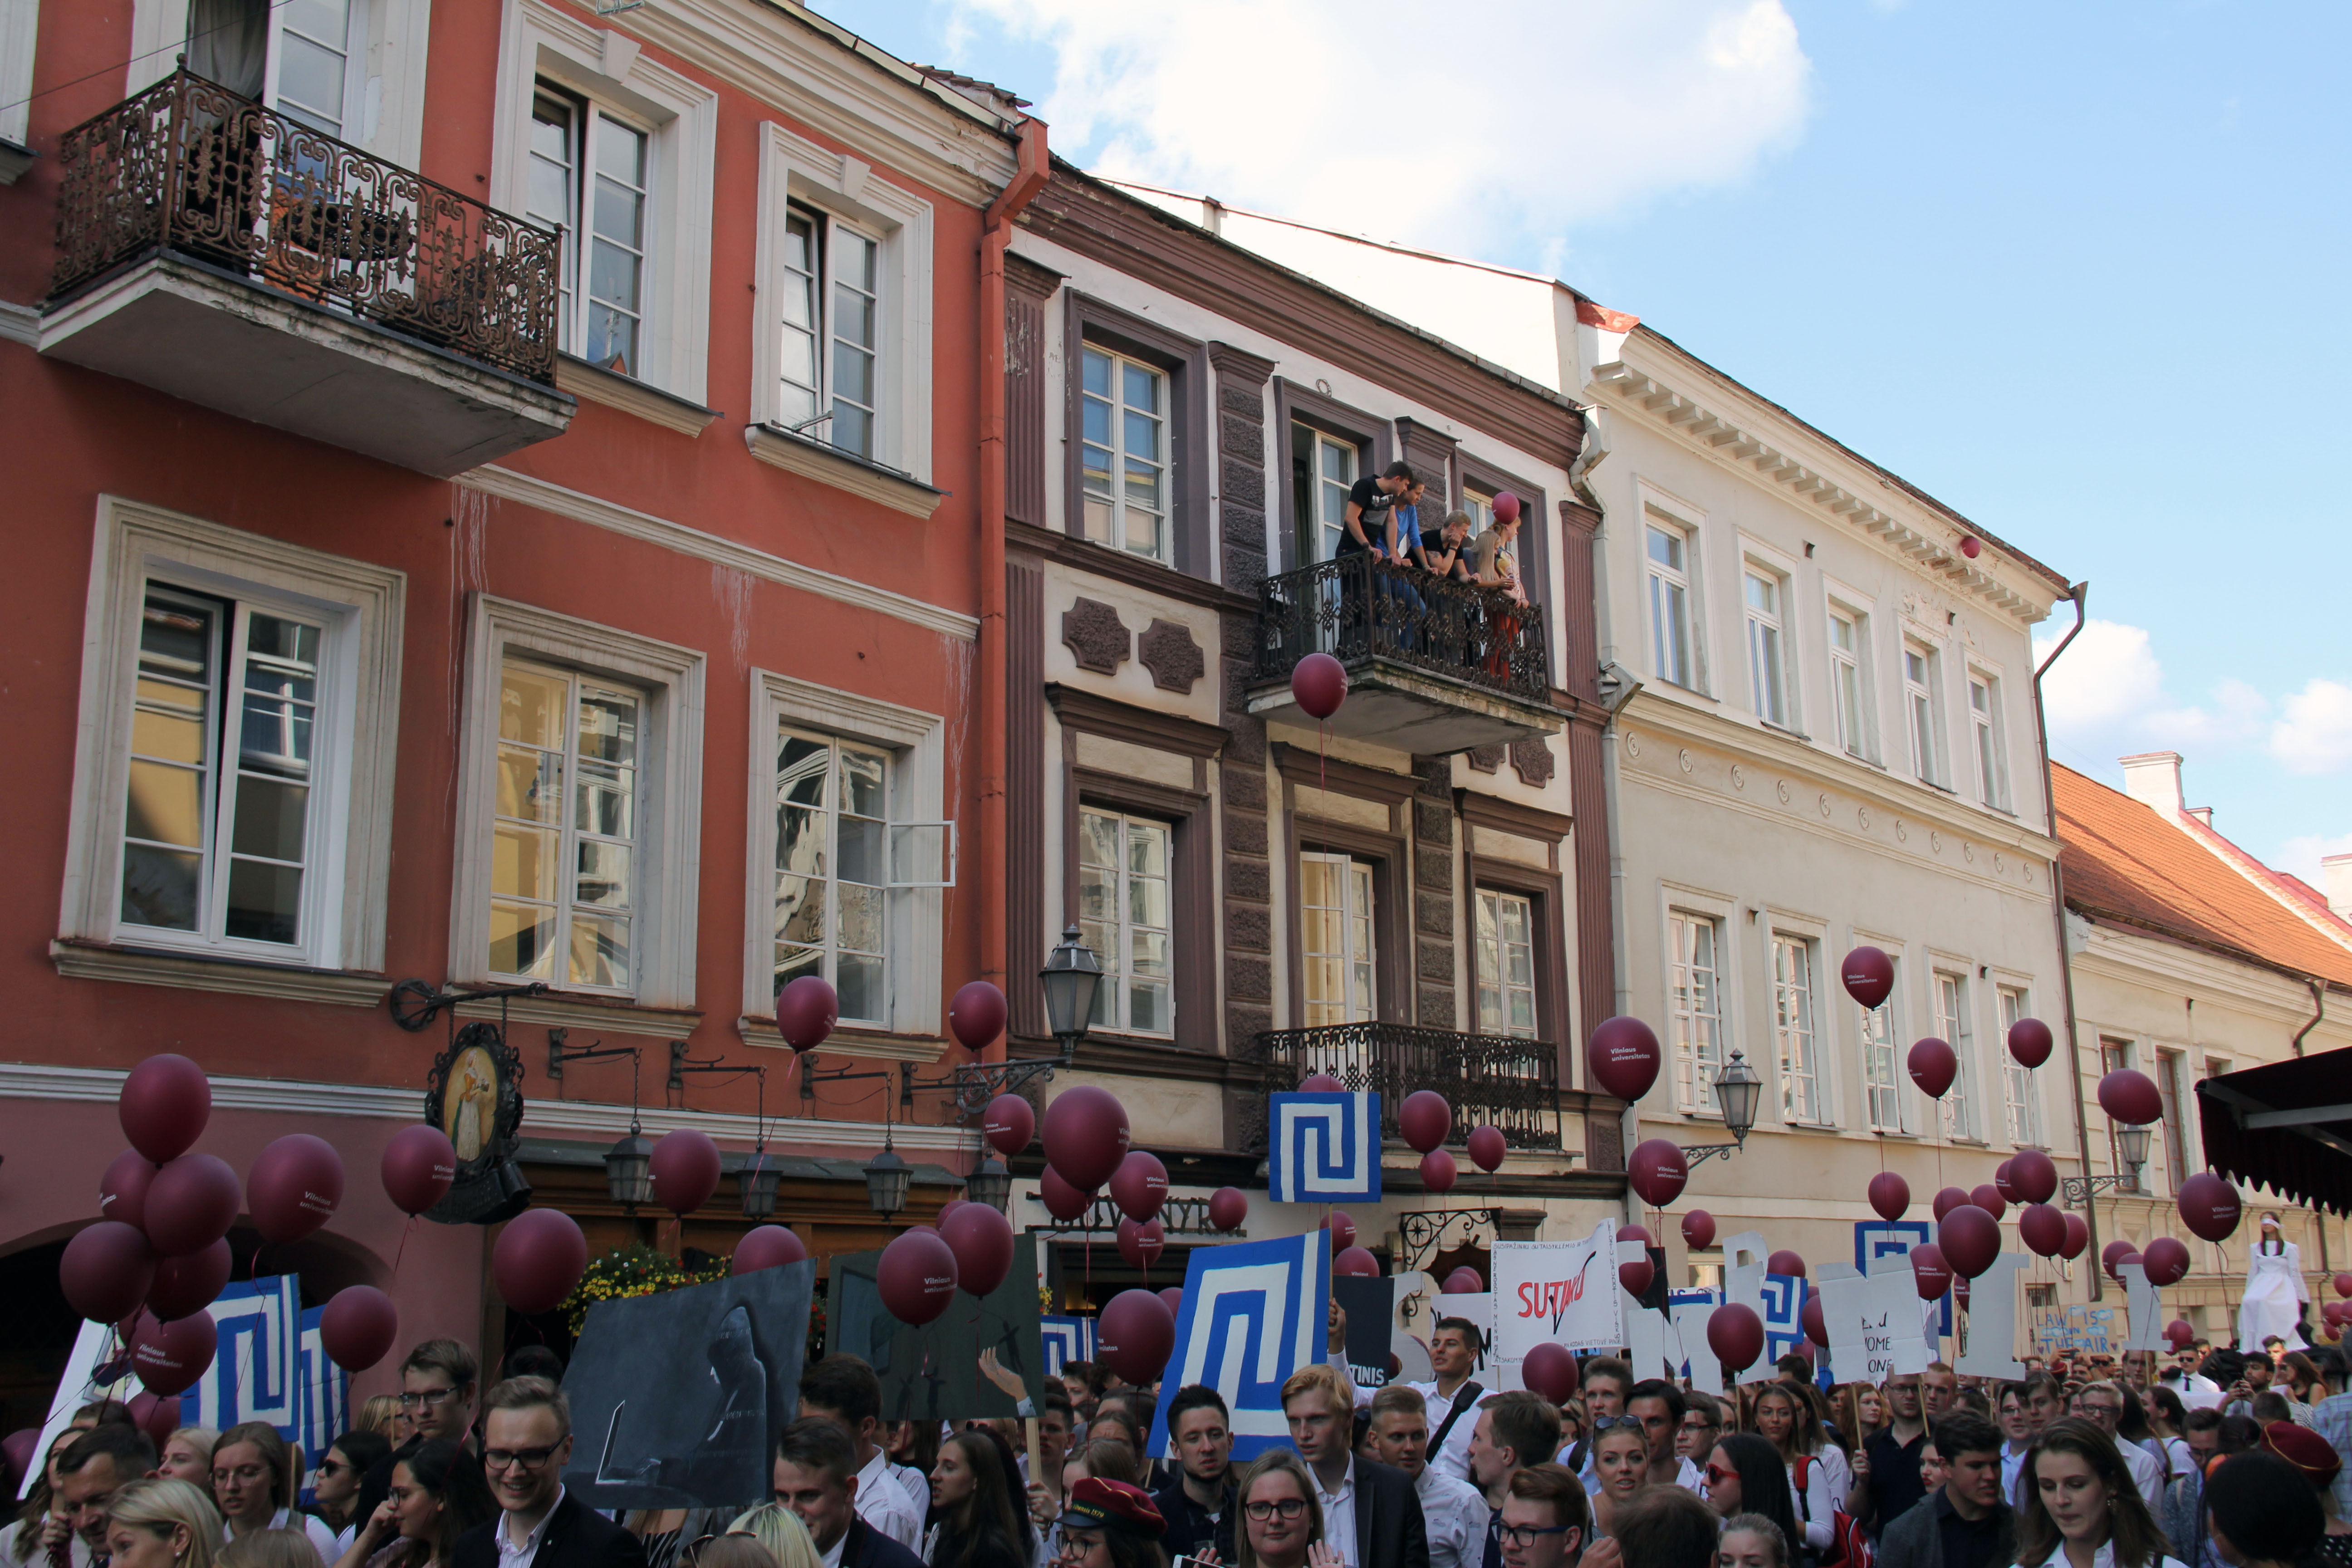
1564, 1292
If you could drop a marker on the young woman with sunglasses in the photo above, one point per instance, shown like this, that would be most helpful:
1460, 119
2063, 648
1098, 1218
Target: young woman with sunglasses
1282, 1524
1621, 1462
1744, 1475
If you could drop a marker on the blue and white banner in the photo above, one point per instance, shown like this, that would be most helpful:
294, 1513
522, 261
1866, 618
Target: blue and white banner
1876, 1239
1323, 1148
1255, 1313
1686, 1314
1067, 1340
1784, 1318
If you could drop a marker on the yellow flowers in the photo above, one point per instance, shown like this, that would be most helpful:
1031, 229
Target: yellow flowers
634, 1271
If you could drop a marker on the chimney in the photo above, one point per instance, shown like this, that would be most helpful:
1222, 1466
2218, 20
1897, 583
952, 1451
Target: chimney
2336, 883
2153, 778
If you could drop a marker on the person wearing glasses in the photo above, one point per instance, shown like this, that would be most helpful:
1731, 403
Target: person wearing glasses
2101, 1405
437, 1495
438, 1383
1607, 1381
1744, 1475
1110, 1524
258, 1480
1621, 1463
526, 1442
1544, 1519
335, 1483
1515, 1430
1282, 1524
1702, 1425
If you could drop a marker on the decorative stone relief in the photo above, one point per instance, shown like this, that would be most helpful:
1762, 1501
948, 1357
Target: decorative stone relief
1683, 758
1096, 636
1738, 779
1531, 758
1487, 759
1781, 789
1825, 805
1167, 649
1862, 817
1633, 744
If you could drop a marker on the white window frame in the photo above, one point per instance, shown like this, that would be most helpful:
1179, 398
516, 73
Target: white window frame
918, 742
1357, 883
1687, 1059
831, 805
1853, 731
1759, 559
20, 28
1326, 547
1805, 1037
795, 170
355, 739
590, 124
537, 42
1880, 1030
1166, 419
1484, 947
353, 50
1988, 748
2013, 1000
1955, 1026
1922, 711
667, 861
1660, 579
1119, 964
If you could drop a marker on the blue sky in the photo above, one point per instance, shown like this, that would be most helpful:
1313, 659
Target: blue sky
2077, 270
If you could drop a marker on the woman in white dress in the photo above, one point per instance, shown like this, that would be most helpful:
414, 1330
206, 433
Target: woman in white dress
2275, 1293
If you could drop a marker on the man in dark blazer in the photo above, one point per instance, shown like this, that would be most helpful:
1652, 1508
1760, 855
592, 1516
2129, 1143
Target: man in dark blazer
816, 1478
526, 1442
1371, 1514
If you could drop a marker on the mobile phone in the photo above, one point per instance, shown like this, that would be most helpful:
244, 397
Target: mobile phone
1184, 1562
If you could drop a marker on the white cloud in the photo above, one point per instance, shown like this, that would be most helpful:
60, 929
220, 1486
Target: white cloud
1513, 120
2108, 697
2302, 854
2314, 736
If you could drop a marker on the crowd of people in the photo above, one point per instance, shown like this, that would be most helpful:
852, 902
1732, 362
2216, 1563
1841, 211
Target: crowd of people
2215, 1458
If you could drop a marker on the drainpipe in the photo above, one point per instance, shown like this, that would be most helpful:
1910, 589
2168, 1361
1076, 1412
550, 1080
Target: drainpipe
1031, 171
2080, 593
2318, 1013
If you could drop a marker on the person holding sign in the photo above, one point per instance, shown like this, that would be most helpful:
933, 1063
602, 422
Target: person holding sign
1452, 1397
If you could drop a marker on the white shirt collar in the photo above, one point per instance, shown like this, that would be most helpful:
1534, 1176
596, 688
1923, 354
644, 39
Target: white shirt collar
1347, 1487
529, 1546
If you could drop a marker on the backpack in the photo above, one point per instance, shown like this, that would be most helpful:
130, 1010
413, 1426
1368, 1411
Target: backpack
1849, 1544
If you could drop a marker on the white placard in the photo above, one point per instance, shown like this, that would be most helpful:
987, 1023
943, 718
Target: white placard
1687, 1347
1645, 1340
1746, 1259
1565, 1292
2146, 1305
1992, 1320
1875, 1324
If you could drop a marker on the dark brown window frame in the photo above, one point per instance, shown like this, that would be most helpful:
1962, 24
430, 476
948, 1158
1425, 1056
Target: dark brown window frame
1373, 437
1555, 1019
1539, 531
1185, 361
1389, 851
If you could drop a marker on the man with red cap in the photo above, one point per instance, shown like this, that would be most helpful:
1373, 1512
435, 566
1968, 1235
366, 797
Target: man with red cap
1110, 1524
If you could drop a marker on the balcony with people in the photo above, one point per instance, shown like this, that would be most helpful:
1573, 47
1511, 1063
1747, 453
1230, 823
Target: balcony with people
240, 258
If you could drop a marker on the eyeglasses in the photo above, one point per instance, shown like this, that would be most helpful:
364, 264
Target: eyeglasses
1528, 1534
1718, 1473
1286, 1508
1077, 1543
528, 1458
1698, 1424
331, 1467
1606, 1422
430, 1399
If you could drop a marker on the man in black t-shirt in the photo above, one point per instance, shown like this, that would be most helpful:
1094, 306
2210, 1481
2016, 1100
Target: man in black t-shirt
1370, 515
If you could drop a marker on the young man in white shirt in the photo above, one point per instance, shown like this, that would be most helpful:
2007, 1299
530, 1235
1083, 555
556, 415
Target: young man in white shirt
2102, 1404
1658, 1405
1371, 1515
1453, 1396
1452, 1511
844, 1389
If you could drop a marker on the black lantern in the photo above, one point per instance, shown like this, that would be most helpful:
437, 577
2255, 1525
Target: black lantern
1070, 978
2131, 1142
991, 1183
1738, 1089
887, 1179
758, 1181
629, 1169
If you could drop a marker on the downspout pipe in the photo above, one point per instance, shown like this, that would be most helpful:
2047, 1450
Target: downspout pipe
1030, 170
2318, 1013
2080, 593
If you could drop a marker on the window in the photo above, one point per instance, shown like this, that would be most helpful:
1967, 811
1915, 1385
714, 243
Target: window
2024, 1116
832, 878
1506, 960
1849, 687
218, 833
1481, 507
310, 50
1768, 682
1323, 470
1670, 607
1694, 1007
1919, 710
1124, 914
1334, 899
1123, 452
1792, 1030
585, 160
563, 839
2041, 1295
1878, 1060
830, 330
2167, 1087
1952, 1024
1984, 723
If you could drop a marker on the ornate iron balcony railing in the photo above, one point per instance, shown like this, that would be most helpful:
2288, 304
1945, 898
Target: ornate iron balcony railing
190, 168
1499, 1079
1357, 607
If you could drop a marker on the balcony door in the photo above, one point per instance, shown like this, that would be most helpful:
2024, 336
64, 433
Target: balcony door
1335, 939
302, 57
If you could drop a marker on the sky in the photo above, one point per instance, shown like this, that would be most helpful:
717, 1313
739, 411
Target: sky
2077, 270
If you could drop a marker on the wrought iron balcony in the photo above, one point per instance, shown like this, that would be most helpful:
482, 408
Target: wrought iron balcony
1433, 666
1499, 1079
235, 258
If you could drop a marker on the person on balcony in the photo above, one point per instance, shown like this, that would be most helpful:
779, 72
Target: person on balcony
1494, 565
1370, 514
1402, 552
1446, 553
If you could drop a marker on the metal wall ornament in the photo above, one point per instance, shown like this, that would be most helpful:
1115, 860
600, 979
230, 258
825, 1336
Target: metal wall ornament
474, 1095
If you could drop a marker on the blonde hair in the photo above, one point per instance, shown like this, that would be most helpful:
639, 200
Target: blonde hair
1322, 1376
781, 1531
270, 1549
157, 1507
379, 1414
1287, 1462
285, 1461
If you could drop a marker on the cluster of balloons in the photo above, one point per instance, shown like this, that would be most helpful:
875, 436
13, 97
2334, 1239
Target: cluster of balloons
2338, 1314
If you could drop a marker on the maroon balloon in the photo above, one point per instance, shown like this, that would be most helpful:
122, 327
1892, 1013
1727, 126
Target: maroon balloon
1624, 1058
2343, 1284
2209, 1206
1970, 1239
2130, 1097
976, 1016
1139, 1185
1063, 1201
1354, 1262
2164, 1260
1637, 1275
1785, 1261
2181, 1332
2114, 1253
1463, 1281
1141, 1244
766, 1246
2003, 1185
1816, 1330
685, 1169
1987, 1196
165, 1102
1947, 1200
419, 1163
2078, 1235
537, 1259
1735, 1334
358, 1326
20, 1447
2035, 1175
294, 1186
1424, 1119
1971, 547
2030, 1042
169, 1357
981, 1240
1929, 1272
1173, 1295
106, 1271
1487, 1148
1321, 1083
191, 1204
1698, 1230
1086, 1135
122, 1191
807, 1010
1342, 1229
1657, 1171
1134, 1336
1438, 1170
2043, 1229
157, 1416
1009, 1124
1318, 684
1933, 1066
190, 1284
1869, 976
917, 1276
1228, 1208
1549, 1370
1890, 1195
1504, 506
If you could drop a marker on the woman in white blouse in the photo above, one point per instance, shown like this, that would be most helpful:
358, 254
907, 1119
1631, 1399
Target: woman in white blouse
1819, 1474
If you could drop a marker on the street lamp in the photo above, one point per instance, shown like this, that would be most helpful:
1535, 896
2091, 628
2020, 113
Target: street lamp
991, 1183
1738, 1090
1070, 977
887, 1179
629, 1169
2131, 1152
758, 1181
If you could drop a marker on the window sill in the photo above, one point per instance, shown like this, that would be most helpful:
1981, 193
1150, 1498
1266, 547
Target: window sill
13, 160
582, 1010
1662, 684
1784, 729
1895, 1133
870, 1044
828, 465
630, 395
242, 977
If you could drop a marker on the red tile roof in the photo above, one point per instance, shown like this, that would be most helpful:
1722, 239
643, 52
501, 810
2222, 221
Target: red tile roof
2125, 863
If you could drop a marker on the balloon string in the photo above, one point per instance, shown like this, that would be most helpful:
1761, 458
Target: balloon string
403, 1250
